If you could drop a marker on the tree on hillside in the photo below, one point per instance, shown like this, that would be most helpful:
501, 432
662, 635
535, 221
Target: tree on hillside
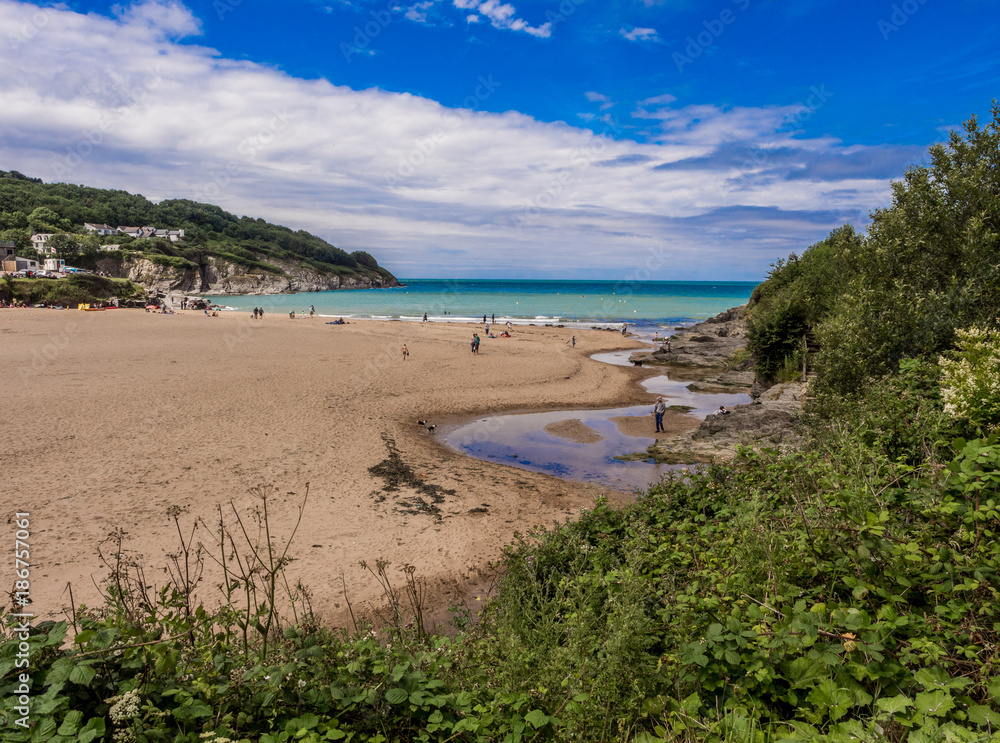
44, 219
797, 296
929, 265
21, 238
65, 245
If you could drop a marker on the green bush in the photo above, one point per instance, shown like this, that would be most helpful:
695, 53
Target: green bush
170, 260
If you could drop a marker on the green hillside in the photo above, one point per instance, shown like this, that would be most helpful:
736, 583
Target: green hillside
28, 206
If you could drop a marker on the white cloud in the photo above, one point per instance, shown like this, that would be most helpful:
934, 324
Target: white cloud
503, 16
418, 12
640, 34
165, 18
425, 188
604, 100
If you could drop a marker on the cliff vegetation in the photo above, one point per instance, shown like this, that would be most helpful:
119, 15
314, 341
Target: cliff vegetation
215, 243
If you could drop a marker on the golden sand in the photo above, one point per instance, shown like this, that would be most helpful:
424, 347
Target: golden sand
114, 417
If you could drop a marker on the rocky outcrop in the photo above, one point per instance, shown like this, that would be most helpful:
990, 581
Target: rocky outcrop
709, 344
221, 277
728, 381
772, 422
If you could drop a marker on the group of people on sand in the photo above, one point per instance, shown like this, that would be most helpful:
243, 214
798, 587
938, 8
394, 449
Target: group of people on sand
258, 313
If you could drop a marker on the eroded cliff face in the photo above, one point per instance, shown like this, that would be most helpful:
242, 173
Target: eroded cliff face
222, 277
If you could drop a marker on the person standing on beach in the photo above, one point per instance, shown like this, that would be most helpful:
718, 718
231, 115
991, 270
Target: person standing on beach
493, 319
406, 352
425, 317
573, 341
624, 328
484, 318
658, 410
261, 313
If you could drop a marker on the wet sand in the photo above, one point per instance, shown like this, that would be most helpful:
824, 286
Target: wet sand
574, 430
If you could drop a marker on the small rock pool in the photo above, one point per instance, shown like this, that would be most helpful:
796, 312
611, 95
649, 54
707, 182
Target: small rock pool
582, 444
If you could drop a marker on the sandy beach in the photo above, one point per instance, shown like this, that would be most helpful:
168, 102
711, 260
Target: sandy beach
115, 417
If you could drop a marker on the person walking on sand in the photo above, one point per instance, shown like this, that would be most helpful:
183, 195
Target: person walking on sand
658, 410
624, 328
406, 352
425, 317
573, 341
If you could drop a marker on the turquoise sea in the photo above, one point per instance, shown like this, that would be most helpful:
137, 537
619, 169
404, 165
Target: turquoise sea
642, 304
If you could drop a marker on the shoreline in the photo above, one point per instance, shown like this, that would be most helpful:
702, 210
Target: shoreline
150, 411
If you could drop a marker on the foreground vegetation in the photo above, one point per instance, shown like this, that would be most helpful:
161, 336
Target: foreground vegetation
838, 595
849, 592
28, 206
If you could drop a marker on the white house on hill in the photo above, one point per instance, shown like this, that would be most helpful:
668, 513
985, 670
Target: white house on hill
100, 229
38, 241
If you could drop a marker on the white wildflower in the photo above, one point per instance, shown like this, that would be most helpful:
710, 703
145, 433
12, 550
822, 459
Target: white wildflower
125, 707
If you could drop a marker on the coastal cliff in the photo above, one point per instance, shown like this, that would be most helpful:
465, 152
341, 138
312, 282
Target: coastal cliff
176, 246
220, 277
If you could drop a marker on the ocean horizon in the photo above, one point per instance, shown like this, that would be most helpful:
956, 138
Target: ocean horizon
581, 303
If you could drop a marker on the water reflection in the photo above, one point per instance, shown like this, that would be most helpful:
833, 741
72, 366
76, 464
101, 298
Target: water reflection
522, 441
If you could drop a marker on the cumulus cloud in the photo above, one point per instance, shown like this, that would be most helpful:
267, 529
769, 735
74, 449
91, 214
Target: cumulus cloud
640, 34
115, 102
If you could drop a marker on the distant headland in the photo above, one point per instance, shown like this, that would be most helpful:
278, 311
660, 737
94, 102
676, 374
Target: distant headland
175, 246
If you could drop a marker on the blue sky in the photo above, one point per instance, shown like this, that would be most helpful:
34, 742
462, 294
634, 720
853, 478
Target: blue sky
572, 139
